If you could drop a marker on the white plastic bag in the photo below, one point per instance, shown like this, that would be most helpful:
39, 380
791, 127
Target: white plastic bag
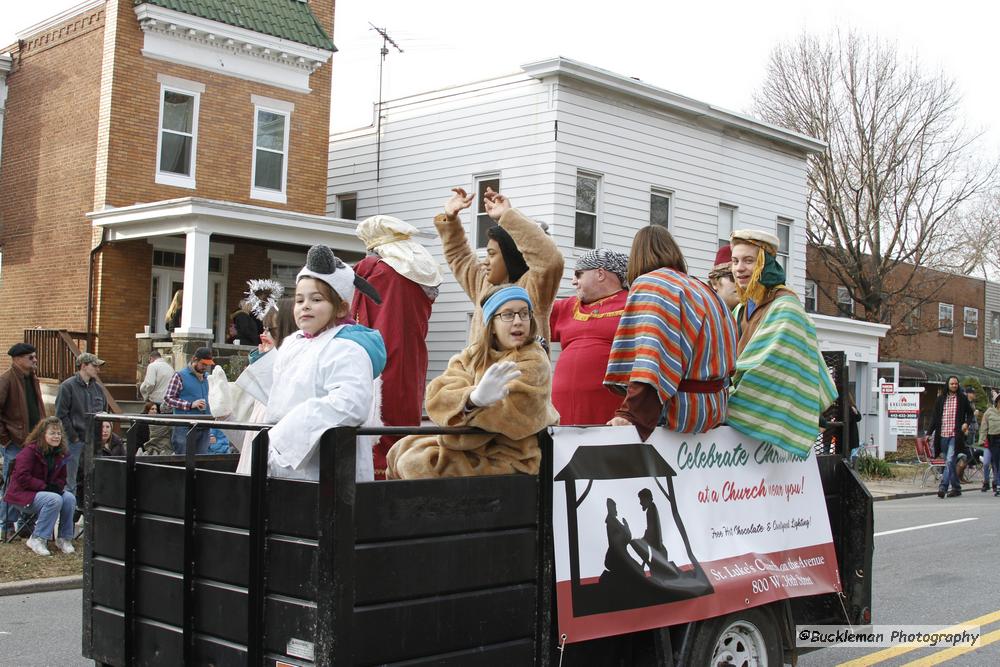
219, 397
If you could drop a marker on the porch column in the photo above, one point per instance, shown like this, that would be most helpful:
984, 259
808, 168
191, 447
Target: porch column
194, 311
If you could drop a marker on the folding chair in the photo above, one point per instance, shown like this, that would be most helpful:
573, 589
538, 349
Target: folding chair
930, 465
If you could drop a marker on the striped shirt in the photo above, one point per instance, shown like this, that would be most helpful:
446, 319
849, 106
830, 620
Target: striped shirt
675, 328
782, 383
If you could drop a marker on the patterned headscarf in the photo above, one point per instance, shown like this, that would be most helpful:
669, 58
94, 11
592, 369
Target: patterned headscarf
609, 260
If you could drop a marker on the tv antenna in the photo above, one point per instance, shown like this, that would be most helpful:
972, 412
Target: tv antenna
384, 51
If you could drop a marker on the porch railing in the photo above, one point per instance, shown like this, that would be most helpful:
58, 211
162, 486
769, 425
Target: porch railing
57, 350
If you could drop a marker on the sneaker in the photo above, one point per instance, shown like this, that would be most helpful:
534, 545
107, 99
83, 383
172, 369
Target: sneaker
940, 493
954, 493
37, 545
65, 546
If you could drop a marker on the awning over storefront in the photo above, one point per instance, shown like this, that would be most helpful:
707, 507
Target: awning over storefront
930, 372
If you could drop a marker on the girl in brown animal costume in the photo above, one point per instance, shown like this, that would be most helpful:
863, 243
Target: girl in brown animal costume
502, 383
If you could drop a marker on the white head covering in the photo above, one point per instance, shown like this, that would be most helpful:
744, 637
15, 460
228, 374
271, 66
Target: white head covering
391, 239
322, 264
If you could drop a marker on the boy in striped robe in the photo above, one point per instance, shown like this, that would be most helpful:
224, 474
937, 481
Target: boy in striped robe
781, 383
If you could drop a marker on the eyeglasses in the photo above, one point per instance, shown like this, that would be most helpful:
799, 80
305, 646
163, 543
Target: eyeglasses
580, 272
508, 315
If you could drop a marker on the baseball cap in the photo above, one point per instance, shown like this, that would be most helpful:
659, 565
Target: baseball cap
88, 358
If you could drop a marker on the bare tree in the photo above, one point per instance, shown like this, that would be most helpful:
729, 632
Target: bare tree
899, 170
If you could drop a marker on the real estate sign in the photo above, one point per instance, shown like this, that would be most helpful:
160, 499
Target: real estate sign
904, 411
680, 528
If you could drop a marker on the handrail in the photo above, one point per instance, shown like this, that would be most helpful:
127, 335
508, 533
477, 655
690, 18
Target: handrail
207, 420
57, 351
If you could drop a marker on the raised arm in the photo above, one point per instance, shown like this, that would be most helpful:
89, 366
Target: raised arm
545, 262
462, 260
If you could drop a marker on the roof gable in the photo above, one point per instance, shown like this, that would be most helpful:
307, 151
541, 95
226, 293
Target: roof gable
286, 19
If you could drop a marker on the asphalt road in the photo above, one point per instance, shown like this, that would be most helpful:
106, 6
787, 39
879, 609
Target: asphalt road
940, 576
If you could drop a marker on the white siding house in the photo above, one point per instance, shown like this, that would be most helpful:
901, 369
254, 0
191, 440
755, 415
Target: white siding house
560, 128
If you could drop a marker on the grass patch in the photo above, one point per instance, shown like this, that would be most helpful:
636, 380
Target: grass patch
18, 562
872, 468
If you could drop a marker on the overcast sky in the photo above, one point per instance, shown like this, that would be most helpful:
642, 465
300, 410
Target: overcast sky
712, 51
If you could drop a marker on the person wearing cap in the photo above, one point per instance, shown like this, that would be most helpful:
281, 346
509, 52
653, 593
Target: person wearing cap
326, 374
187, 394
518, 252
781, 385
675, 346
502, 384
79, 396
407, 278
721, 277
585, 326
21, 407
989, 430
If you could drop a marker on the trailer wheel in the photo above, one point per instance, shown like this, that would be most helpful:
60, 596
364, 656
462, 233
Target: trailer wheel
742, 639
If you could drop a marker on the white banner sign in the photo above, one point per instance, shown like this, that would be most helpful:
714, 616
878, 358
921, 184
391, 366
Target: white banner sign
680, 528
904, 410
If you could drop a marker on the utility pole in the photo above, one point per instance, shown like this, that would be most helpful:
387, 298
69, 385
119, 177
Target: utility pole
386, 41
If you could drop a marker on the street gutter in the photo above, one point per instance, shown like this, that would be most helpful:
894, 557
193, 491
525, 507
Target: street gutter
29, 586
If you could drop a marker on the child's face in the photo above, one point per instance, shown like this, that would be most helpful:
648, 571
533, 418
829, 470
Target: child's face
512, 334
313, 313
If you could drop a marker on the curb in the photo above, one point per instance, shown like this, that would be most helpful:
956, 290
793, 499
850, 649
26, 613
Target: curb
41, 585
900, 496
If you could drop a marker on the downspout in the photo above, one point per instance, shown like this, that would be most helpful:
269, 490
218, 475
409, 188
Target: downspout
90, 291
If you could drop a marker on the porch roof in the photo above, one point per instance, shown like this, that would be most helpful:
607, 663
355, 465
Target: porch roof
931, 372
180, 216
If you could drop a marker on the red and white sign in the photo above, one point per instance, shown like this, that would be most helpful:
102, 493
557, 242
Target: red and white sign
904, 410
681, 528
888, 387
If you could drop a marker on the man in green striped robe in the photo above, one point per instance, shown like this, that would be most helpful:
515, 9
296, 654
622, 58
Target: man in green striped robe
781, 383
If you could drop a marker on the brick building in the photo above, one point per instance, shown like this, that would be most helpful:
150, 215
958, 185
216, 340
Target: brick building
154, 145
942, 329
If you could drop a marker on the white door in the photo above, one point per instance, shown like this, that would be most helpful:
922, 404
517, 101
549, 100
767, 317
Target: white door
218, 318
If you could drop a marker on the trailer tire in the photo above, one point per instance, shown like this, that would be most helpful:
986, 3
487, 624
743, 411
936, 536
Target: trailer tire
748, 638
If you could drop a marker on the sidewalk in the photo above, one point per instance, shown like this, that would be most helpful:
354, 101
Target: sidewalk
904, 487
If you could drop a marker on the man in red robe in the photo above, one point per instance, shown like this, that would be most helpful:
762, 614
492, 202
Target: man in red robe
407, 278
585, 325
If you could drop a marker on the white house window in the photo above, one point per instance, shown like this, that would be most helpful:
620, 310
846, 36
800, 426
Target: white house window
585, 231
970, 317
784, 231
913, 315
844, 301
659, 207
347, 206
810, 295
946, 318
994, 326
484, 221
727, 219
177, 139
270, 149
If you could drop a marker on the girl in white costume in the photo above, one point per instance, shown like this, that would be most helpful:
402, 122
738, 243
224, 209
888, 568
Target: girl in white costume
325, 374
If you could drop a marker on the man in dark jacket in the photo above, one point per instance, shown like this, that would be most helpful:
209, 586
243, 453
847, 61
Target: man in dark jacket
950, 424
21, 407
78, 397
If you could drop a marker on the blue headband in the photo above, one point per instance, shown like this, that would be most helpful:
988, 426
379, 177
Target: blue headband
499, 298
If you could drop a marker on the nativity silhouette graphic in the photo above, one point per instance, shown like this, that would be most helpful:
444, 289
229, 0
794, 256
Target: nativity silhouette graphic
637, 570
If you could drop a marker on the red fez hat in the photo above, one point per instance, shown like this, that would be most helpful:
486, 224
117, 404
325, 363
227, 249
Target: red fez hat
723, 258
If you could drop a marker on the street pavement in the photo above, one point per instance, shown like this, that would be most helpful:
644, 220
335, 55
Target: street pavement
939, 576
41, 629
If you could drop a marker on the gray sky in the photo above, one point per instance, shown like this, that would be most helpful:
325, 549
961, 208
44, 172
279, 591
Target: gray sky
712, 51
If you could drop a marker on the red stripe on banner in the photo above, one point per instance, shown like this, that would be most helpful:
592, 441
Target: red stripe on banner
739, 587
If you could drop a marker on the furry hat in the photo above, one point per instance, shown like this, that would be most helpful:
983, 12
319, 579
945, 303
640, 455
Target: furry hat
322, 264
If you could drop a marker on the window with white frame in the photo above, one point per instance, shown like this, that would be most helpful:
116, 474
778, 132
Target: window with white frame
844, 301
946, 318
177, 139
970, 321
347, 206
810, 296
588, 188
912, 319
994, 326
727, 221
483, 220
659, 207
270, 149
784, 232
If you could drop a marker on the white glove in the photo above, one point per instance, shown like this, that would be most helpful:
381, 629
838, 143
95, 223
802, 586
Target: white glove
493, 386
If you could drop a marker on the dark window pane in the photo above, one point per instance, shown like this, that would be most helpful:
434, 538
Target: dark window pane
270, 130
175, 154
586, 194
494, 184
483, 223
586, 224
659, 210
268, 170
215, 265
178, 112
349, 208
